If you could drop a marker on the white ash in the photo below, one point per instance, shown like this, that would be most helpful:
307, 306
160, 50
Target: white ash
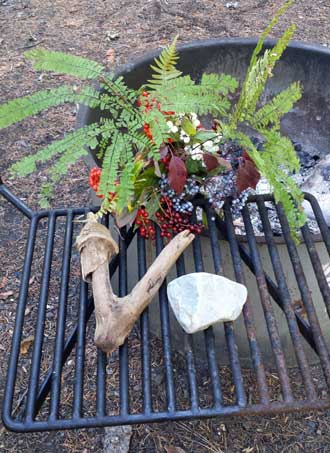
313, 178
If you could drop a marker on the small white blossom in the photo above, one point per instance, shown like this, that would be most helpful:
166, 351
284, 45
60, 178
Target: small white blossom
196, 153
172, 127
184, 137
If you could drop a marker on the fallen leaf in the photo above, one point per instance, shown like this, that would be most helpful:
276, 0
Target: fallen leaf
4, 282
26, 344
110, 55
177, 174
6, 294
174, 449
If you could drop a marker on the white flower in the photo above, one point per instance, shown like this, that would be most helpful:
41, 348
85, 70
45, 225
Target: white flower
196, 153
184, 137
172, 127
196, 123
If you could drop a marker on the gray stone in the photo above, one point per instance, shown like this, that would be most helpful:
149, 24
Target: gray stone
318, 184
200, 299
117, 439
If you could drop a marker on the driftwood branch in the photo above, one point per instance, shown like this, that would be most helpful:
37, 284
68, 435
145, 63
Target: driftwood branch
115, 316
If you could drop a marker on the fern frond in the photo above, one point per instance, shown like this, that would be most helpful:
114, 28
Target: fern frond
158, 126
111, 159
125, 190
21, 108
259, 74
266, 32
164, 67
202, 104
57, 171
79, 139
271, 113
260, 70
60, 62
218, 84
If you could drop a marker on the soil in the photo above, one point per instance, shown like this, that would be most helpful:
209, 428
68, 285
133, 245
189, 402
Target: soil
114, 33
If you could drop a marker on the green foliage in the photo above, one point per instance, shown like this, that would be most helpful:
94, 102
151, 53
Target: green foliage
272, 112
164, 67
46, 60
278, 157
21, 108
126, 151
76, 140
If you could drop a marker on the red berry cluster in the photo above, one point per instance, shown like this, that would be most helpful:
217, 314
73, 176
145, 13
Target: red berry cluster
146, 229
172, 222
166, 161
94, 179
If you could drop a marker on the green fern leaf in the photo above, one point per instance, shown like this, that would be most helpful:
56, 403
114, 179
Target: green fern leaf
21, 108
110, 164
60, 62
271, 113
217, 84
125, 190
164, 67
79, 139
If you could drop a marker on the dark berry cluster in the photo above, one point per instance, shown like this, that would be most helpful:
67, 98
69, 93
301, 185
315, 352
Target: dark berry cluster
180, 202
146, 228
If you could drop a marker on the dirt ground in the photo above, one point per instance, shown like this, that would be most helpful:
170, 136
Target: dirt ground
92, 28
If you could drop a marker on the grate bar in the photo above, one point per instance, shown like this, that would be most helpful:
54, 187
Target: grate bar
39, 334
61, 318
123, 350
268, 309
247, 310
166, 334
208, 334
317, 266
80, 352
325, 231
228, 326
20, 313
286, 299
305, 295
100, 383
188, 348
145, 337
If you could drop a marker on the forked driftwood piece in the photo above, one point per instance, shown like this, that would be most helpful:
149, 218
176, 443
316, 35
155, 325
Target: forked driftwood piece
115, 316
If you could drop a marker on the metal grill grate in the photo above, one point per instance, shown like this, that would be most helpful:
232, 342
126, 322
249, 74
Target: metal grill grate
41, 397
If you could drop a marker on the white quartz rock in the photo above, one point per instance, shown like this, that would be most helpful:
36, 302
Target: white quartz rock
318, 184
200, 299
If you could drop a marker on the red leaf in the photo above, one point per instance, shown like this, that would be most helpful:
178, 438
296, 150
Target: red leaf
177, 174
247, 175
213, 161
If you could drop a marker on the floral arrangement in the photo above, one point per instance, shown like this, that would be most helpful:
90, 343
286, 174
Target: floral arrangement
157, 153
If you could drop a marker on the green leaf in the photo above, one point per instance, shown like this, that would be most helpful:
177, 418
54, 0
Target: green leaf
164, 67
188, 126
63, 63
21, 108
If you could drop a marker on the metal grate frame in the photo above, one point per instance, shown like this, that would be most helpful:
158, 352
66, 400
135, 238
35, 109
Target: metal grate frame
302, 329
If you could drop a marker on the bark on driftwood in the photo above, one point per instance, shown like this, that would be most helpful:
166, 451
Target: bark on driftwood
115, 316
